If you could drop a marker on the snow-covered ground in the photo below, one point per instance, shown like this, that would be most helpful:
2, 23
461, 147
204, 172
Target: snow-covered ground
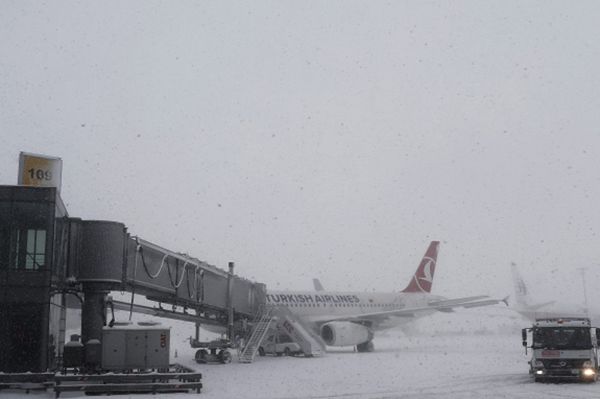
445, 356
476, 366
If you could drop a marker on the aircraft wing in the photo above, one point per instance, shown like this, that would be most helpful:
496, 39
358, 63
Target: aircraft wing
445, 305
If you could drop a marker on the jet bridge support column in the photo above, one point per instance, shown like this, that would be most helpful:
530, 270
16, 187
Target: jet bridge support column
93, 314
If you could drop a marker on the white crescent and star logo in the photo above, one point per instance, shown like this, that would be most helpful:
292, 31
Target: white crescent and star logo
428, 275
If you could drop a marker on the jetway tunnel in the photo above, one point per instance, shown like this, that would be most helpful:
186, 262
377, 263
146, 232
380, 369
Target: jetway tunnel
45, 256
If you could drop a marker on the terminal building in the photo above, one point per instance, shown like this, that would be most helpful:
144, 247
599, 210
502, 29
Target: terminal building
33, 267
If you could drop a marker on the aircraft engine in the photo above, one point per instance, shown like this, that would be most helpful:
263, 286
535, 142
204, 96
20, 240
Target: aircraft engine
345, 333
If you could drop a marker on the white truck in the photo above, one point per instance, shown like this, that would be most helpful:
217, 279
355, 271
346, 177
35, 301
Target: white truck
563, 348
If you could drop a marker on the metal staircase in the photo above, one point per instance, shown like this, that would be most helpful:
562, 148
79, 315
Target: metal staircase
261, 326
310, 343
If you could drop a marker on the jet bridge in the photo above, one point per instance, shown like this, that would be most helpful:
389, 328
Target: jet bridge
45, 256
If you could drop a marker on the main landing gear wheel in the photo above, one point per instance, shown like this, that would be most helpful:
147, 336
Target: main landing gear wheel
365, 347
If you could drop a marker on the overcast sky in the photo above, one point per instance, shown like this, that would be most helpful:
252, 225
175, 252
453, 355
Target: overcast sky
328, 139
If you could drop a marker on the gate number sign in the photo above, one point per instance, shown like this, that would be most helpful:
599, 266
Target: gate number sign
39, 170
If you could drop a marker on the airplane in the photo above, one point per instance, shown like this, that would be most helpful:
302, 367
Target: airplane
352, 318
538, 310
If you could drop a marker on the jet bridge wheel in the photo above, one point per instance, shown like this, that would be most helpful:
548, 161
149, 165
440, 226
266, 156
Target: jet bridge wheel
225, 356
201, 355
365, 347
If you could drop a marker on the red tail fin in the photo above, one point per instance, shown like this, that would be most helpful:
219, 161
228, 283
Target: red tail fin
422, 280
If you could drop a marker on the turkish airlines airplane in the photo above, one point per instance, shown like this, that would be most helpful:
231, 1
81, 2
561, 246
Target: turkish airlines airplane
352, 318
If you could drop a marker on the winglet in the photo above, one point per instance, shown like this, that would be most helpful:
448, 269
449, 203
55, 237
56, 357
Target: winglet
422, 280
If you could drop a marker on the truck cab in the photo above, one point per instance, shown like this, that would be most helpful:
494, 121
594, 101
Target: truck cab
562, 348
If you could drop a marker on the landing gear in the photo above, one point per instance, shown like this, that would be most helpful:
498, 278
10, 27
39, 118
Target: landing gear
365, 347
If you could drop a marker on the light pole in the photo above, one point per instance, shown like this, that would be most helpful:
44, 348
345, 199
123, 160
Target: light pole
585, 300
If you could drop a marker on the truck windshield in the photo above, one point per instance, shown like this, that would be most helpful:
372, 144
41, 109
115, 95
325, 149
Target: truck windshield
561, 338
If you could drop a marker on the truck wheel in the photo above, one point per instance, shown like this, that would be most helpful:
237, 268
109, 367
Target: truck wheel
261, 351
287, 351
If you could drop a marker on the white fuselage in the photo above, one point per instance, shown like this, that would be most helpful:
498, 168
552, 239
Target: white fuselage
321, 306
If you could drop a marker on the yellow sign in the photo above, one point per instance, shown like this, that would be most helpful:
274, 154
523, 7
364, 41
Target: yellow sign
39, 170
